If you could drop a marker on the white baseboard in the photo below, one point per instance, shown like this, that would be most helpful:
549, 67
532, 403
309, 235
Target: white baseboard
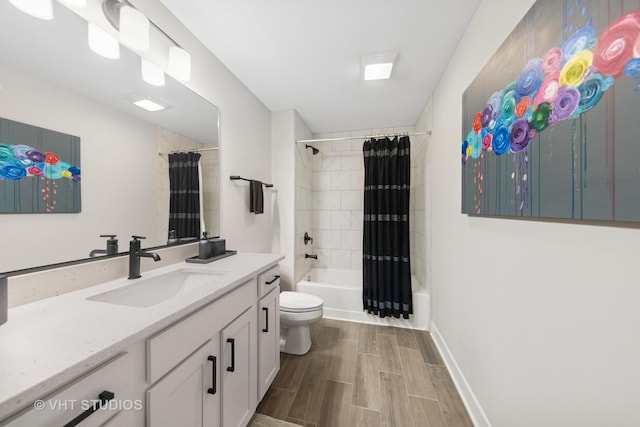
474, 409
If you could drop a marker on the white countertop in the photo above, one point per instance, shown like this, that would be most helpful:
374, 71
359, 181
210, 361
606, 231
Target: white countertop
49, 342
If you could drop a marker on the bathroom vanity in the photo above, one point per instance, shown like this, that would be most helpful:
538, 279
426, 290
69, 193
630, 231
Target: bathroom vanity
182, 345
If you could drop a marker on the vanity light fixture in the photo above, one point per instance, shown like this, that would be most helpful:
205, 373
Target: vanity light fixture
377, 67
41, 9
179, 63
103, 43
151, 73
149, 105
134, 28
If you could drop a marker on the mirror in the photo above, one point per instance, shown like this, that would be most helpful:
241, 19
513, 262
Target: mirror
49, 78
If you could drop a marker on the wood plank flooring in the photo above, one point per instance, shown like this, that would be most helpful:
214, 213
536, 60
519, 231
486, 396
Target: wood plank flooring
359, 375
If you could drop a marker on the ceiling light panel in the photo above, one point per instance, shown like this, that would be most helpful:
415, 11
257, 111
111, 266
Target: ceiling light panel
378, 66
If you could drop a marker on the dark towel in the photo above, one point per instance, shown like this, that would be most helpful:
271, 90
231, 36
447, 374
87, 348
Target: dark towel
256, 201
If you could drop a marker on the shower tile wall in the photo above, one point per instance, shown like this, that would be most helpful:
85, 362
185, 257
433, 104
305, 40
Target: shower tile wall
303, 200
210, 164
337, 196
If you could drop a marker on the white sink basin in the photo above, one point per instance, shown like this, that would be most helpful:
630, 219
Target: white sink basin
146, 292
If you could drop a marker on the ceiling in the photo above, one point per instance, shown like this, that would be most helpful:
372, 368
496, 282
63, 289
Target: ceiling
306, 55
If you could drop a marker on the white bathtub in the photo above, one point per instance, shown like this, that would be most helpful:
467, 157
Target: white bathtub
341, 291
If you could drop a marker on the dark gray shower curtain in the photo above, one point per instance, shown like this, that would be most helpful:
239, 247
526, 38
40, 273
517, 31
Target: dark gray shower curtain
184, 194
386, 267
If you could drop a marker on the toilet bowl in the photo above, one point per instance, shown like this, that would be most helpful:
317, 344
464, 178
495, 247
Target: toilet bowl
297, 312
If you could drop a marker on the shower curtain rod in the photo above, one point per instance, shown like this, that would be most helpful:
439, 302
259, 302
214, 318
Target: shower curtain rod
346, 138
188, 150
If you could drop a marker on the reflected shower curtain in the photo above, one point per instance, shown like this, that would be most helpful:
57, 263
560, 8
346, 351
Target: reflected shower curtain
386, 267
184, 194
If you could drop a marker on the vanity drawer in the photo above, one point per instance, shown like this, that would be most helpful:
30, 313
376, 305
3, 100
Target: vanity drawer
168, 348
112, 380
268, 280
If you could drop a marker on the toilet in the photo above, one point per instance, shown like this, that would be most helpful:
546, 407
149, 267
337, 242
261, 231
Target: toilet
297, 312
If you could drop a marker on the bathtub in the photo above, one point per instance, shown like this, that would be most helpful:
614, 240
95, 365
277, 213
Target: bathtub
341, 291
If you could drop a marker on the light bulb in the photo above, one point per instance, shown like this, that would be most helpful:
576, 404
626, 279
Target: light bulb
103, 43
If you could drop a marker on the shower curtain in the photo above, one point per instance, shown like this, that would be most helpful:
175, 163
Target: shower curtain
184, 194
386, 267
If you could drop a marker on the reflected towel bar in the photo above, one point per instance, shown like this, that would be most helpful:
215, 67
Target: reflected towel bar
236, 177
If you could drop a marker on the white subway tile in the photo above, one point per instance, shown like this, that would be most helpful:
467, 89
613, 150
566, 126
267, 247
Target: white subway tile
330, 239
357, 217
351, 240
352, 161
340, 220
322, 220
351, 200
330, 200
356, 260
321, 181
316, 197
340, 180
331, 162
357, 180
341, 259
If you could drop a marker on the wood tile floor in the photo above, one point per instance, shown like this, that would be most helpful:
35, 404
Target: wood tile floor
365, 375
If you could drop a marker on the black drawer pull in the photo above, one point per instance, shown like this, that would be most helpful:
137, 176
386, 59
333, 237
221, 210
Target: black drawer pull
212, 390
266, 319
274, 279
104, 397
233, 355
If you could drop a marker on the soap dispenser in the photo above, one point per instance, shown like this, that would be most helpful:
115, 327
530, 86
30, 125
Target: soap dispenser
204, 248
173, 238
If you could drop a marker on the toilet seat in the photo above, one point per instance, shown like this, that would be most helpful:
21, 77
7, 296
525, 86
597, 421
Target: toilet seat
298, 302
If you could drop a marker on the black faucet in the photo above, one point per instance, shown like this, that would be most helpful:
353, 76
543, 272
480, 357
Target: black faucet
311, 256
135, 253
112, 246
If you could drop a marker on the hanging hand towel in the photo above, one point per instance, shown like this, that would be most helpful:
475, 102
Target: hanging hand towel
256, 201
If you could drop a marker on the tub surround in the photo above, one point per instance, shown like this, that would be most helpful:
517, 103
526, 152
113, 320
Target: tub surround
51, 341
341, 291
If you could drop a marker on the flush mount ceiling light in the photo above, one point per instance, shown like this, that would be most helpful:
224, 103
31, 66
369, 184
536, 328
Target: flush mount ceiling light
41, 9
151, 73
377, 67
179, 63
134, 29
103, 43
149, 104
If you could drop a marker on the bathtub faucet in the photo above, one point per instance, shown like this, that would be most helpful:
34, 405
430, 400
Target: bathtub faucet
311, 256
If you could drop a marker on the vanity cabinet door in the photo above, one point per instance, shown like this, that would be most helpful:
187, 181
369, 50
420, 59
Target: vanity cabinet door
189, 395
239, 385
268, 340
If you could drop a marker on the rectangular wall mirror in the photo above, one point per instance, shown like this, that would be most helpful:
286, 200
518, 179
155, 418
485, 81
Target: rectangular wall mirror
49, 78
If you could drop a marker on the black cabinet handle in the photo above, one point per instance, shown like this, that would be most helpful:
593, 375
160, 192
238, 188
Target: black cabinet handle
274, 279
266, 318
233, 355
212, 390
103, 398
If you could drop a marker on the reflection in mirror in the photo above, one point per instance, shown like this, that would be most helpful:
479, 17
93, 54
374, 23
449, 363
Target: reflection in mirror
51, 79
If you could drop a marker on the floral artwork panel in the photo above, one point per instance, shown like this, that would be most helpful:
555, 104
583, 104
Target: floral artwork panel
39, 170
551, 125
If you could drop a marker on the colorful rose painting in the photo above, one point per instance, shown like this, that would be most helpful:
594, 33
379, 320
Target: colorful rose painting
39, 169
544, 138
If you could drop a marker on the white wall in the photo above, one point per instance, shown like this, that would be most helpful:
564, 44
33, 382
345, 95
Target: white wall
245, 134
283, 137
109, 163
541, 317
